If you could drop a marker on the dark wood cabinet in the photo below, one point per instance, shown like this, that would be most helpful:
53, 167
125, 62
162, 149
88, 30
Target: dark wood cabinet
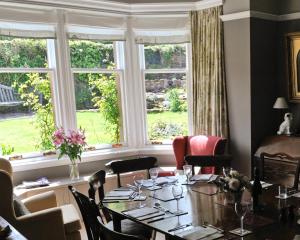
277, 170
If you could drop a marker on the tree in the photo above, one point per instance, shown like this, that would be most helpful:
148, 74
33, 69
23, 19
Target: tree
36, 94
105, 98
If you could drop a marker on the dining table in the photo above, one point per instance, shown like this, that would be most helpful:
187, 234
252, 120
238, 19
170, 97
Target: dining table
205, 204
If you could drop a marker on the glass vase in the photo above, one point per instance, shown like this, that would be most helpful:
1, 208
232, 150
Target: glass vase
74, 171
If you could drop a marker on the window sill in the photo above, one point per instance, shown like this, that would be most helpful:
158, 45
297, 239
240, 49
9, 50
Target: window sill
90, 156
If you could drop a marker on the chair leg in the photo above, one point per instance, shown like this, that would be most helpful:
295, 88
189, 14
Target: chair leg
153, 235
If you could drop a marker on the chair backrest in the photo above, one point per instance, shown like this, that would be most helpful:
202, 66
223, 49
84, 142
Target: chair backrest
96, 184
6, 198
6, 166
108, 234
282, 156
218, 161
89, 212
123, 166
197, 145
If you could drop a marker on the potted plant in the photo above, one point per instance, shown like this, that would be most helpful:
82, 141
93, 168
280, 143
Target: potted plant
70, 144
234, 185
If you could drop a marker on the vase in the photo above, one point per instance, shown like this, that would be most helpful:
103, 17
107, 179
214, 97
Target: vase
234, 197
74, 171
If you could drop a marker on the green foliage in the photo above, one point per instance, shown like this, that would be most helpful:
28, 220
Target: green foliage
163, 130
105, 97
173, 97
6, 149
36, 94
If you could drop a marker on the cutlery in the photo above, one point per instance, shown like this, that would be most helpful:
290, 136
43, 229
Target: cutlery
143, 218
212, 226
180, 227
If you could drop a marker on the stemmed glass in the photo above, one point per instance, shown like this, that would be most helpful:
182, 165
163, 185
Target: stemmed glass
241, 210
153, 175
187, 170
138, 182
177, 192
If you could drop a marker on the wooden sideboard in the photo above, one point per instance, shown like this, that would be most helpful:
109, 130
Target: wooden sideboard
279, 170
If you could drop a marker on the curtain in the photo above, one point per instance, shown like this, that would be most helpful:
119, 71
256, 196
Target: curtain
208, 74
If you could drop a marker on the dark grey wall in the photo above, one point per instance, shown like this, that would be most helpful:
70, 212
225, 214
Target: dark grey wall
268, 6
289, 6
238, 73
263, 80
283, 29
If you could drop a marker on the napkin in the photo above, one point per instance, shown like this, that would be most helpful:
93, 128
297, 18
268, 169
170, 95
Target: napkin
201, 177
140, 212
199, 232
119, 193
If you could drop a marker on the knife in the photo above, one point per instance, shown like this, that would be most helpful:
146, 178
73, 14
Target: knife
159, 219
180, 227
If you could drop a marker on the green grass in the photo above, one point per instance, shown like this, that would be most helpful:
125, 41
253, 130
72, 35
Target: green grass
22, 134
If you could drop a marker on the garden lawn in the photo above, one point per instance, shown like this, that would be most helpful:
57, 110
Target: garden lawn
22, 134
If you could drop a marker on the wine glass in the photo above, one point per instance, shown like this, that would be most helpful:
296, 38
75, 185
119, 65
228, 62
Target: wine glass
187, 170
241, 209
177, 192
138, 182
153, 175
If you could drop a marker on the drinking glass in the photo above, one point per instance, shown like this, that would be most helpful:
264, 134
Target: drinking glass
153, 175
282, 192
187, 170
138, 182
177, 192
241, 210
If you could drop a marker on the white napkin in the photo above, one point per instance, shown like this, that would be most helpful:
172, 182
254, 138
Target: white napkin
199, 232
118, 193
201, 177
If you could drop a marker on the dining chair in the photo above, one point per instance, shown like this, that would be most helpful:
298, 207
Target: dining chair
217, 161
285, 177
95, 227
129, 165
108, 234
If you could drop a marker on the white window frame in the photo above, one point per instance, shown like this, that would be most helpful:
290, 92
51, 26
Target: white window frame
118, 50
52, 74
144, 71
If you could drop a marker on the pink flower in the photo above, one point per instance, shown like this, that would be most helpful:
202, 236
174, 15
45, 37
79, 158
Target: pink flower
58, 137
76, 137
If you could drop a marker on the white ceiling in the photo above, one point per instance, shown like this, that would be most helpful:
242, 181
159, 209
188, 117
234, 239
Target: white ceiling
152, 1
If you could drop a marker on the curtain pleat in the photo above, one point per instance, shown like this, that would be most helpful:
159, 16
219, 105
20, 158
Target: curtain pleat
208, 75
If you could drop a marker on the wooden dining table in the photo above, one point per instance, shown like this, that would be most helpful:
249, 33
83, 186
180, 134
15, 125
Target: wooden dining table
205, 205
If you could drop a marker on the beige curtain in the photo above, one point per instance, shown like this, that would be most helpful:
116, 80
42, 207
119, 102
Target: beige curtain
209, 89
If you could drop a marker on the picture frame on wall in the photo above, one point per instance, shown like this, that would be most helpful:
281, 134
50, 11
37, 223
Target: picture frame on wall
293, 50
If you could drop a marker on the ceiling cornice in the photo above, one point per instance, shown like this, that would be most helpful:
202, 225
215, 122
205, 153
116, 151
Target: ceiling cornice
116, 7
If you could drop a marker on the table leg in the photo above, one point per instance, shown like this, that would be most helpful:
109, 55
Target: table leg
117, 222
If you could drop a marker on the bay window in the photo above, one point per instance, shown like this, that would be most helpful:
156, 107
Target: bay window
165, 77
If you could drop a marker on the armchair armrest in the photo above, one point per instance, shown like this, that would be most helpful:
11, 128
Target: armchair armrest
40, 201
47, 225
217, 161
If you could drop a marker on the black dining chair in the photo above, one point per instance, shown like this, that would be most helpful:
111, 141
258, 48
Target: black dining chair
95, 228
130, 165
96, 184
281, 175
108, 234
217, 161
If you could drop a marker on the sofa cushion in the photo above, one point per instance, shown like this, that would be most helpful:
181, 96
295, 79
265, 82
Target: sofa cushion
19, 207
71, 218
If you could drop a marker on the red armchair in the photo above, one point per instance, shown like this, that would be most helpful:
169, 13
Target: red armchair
198, 145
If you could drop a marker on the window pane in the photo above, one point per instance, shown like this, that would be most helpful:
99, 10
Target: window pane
166, 105
98, 107
22, 52
91, 54
165, 56
26, 112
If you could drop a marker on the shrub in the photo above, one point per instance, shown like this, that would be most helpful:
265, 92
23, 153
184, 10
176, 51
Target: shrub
162, 130
105, 97
6, 149
173, 97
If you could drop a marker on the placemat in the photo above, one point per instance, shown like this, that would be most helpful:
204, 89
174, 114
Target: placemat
164, 198
206, 189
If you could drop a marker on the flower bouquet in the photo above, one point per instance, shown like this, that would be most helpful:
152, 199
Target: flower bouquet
234, 184
71, 144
